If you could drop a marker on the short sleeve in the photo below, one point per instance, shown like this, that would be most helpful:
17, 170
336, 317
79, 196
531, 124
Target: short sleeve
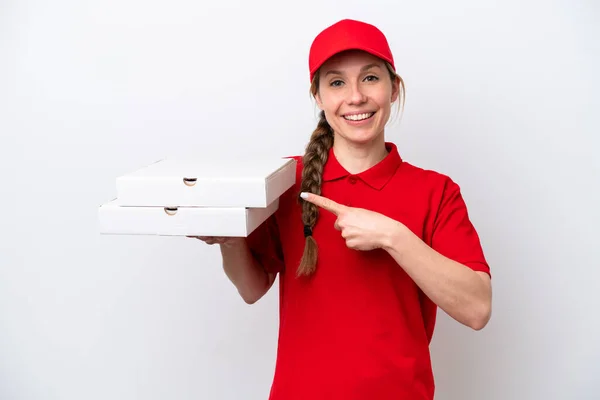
454, 235
265, 245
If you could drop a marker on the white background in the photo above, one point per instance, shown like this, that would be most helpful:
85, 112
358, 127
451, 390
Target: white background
502, 96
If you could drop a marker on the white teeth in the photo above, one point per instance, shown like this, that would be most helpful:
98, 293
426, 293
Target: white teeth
358, 117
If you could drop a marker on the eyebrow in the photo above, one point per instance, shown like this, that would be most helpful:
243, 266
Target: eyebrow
363, 69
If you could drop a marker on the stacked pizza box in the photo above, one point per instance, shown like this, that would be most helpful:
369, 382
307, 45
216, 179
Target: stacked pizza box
208, 197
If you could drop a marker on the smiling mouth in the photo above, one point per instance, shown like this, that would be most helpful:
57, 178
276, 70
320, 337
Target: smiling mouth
359, 117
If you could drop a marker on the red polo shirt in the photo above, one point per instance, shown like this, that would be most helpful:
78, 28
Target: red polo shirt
360, 328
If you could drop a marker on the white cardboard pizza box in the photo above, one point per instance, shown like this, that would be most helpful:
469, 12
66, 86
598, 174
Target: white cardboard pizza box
214, 182
182, 221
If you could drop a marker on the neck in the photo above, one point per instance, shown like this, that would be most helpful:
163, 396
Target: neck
356, 158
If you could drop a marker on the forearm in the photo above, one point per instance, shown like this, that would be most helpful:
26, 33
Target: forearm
244, 271
461, 292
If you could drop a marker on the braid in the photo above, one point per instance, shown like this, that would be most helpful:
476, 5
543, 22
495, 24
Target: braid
314, 160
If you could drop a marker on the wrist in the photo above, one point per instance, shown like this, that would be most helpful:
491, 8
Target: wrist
233, 243
395, 237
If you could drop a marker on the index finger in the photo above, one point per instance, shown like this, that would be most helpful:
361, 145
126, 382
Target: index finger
324, 203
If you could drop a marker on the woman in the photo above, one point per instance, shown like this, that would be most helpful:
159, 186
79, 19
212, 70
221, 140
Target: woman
369, 250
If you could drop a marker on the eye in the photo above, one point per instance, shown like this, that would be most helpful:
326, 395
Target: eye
371, 78
335, 83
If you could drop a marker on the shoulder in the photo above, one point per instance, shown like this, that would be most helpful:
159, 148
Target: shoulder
427, 179
439, 193
433, 189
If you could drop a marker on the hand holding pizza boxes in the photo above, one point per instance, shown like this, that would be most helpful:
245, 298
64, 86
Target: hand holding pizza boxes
216, 197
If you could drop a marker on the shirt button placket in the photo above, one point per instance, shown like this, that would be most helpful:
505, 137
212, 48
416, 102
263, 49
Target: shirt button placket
351, 190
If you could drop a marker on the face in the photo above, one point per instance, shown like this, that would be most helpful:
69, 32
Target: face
356, 93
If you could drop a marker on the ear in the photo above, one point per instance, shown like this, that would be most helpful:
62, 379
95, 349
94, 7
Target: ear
318, 100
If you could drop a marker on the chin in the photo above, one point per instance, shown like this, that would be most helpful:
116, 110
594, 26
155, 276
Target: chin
359, 139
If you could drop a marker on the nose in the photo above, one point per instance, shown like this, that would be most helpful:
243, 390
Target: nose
356, 94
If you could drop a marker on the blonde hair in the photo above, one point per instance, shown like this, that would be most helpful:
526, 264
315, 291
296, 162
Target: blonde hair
314, 160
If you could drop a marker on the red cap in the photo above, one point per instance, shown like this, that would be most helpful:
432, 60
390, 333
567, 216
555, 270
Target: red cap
344, 35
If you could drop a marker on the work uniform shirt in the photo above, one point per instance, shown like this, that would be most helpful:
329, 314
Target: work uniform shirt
360, 328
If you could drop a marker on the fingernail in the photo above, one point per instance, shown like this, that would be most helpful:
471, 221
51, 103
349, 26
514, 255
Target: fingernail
304, 195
